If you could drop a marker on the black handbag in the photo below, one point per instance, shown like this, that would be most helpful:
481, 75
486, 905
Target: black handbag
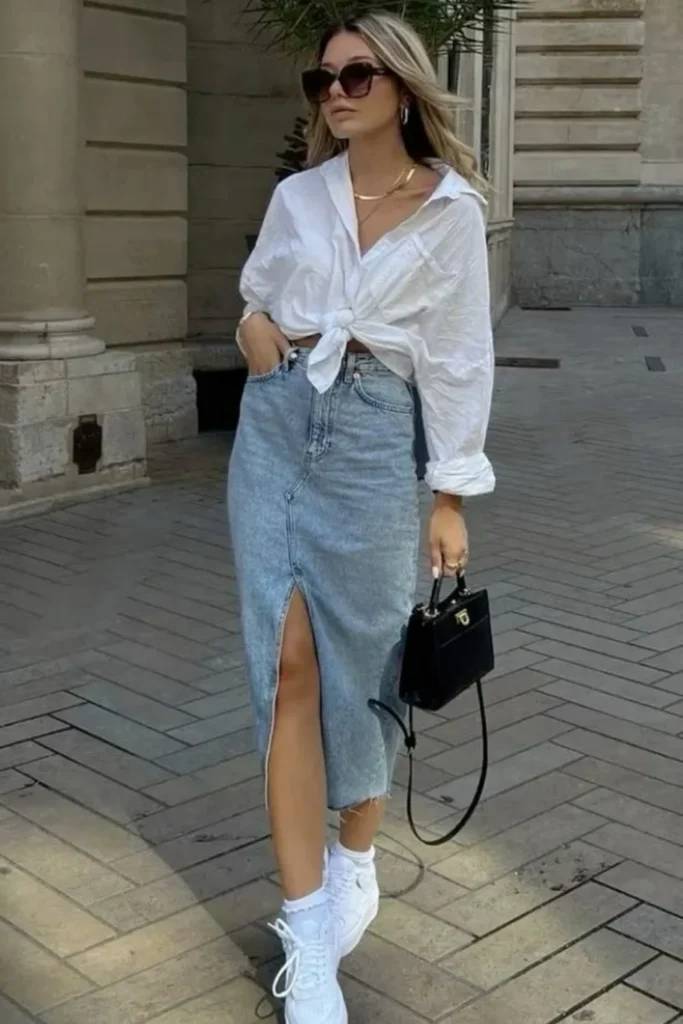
448, 648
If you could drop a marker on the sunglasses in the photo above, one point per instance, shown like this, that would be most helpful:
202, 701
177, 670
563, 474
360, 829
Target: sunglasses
355, 79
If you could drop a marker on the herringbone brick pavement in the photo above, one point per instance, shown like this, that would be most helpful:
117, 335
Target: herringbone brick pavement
135, 871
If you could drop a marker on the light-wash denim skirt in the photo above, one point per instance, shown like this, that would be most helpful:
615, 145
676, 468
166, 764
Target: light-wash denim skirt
322, 496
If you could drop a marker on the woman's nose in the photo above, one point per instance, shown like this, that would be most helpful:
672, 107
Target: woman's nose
336, 90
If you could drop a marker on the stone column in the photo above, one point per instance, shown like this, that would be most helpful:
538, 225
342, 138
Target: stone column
42, 280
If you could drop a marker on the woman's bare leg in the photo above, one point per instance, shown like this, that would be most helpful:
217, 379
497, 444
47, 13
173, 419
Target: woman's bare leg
296, 767
358, 825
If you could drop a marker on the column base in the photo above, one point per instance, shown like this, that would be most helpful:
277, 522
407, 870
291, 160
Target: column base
26, 340
70, 429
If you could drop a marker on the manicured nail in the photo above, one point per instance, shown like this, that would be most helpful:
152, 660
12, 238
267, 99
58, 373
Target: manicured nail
436, 572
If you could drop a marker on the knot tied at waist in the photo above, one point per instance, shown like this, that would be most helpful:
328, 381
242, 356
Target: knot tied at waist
340, 319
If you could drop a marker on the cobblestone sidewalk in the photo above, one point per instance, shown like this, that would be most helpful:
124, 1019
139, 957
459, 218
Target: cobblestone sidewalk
135, 871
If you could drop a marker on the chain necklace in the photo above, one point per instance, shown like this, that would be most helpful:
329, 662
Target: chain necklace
404, 178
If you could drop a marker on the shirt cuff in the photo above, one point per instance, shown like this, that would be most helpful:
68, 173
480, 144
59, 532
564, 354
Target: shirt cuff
465, 476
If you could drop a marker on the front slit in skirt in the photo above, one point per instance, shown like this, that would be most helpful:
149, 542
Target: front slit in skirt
322, 497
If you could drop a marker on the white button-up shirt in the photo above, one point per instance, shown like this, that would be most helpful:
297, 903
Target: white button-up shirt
418, 300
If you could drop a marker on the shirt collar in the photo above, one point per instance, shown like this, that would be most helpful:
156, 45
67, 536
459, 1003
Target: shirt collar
336, 174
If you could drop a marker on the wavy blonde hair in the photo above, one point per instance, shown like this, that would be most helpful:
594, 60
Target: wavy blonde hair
429, 133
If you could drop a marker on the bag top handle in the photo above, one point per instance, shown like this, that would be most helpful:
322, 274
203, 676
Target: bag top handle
460, 590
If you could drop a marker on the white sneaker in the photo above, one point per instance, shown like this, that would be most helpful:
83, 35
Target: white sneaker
354, 894
308, 980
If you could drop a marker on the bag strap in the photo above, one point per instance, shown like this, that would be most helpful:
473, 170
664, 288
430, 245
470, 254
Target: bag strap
411, 743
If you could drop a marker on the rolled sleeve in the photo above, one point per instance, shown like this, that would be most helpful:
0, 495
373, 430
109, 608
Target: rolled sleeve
454, 373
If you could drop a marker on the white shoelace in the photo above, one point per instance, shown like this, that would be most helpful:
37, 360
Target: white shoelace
305, 965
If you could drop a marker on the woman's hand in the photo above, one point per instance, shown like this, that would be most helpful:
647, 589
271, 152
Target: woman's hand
448, 543
263, 343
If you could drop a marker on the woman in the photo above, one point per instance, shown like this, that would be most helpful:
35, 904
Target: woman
369, 277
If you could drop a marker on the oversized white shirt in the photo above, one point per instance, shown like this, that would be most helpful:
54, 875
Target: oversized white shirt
418, 300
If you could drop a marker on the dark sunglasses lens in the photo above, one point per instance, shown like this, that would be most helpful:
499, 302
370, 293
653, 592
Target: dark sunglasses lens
317, 84
356, 80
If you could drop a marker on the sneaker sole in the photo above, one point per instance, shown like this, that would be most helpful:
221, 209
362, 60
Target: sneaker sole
350, 942
342, 1019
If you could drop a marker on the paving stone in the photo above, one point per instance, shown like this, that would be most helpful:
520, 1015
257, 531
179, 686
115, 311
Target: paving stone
106, 759
35, 727
504, 743
102, 795
418, 933
619, 1006
82, 828
545, 931
556, 986
57, 863
602, 662
409, 980
634, 845
11, 1014
589, 641
159, 988
535, 884
154, 944
192, 628
239, 1002
173, 893
607, 685
146, 682
653, 927
630, 783
27, 709
514, 806
157, 661
133, 705
206, 754
506, 774
177, 821
112, 728
33, 977
10, 781
662, 979
195, 847
655, 765
571, 621
221, 681
45, 916
217, 725
219, 703
208, 780
20, 754
646, 884
674, 684
628, 811
503, 713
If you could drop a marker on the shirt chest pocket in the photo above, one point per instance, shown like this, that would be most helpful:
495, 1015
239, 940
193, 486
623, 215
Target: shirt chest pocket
405, 281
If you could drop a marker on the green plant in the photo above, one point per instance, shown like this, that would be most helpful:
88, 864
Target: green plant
295, 26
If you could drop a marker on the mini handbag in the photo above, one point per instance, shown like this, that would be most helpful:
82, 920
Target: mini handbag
448, 649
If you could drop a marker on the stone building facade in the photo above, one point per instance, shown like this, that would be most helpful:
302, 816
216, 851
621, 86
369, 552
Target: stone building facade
599, 153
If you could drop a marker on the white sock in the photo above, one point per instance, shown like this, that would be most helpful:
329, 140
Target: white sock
362, 859
313, 907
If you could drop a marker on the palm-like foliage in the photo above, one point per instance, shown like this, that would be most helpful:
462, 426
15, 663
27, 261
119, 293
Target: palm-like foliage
295, 26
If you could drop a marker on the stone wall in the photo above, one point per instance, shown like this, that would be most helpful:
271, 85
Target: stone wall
599, 153
134, 55
242, 103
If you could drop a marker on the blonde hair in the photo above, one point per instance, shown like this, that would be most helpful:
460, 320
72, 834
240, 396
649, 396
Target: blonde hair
429, 132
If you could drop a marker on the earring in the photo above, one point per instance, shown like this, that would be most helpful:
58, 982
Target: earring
405, 114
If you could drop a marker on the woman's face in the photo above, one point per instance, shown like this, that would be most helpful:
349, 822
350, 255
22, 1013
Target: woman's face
349, 116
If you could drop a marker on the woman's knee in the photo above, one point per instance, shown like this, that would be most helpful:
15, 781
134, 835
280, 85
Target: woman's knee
298, 682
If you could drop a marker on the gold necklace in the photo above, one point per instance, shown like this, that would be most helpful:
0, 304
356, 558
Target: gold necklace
404, 178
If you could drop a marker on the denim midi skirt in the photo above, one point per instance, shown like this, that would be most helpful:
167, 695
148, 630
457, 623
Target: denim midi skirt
322, 496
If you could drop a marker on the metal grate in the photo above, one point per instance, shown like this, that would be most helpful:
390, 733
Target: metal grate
655, 364
546, 309
528, 362
639, 331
